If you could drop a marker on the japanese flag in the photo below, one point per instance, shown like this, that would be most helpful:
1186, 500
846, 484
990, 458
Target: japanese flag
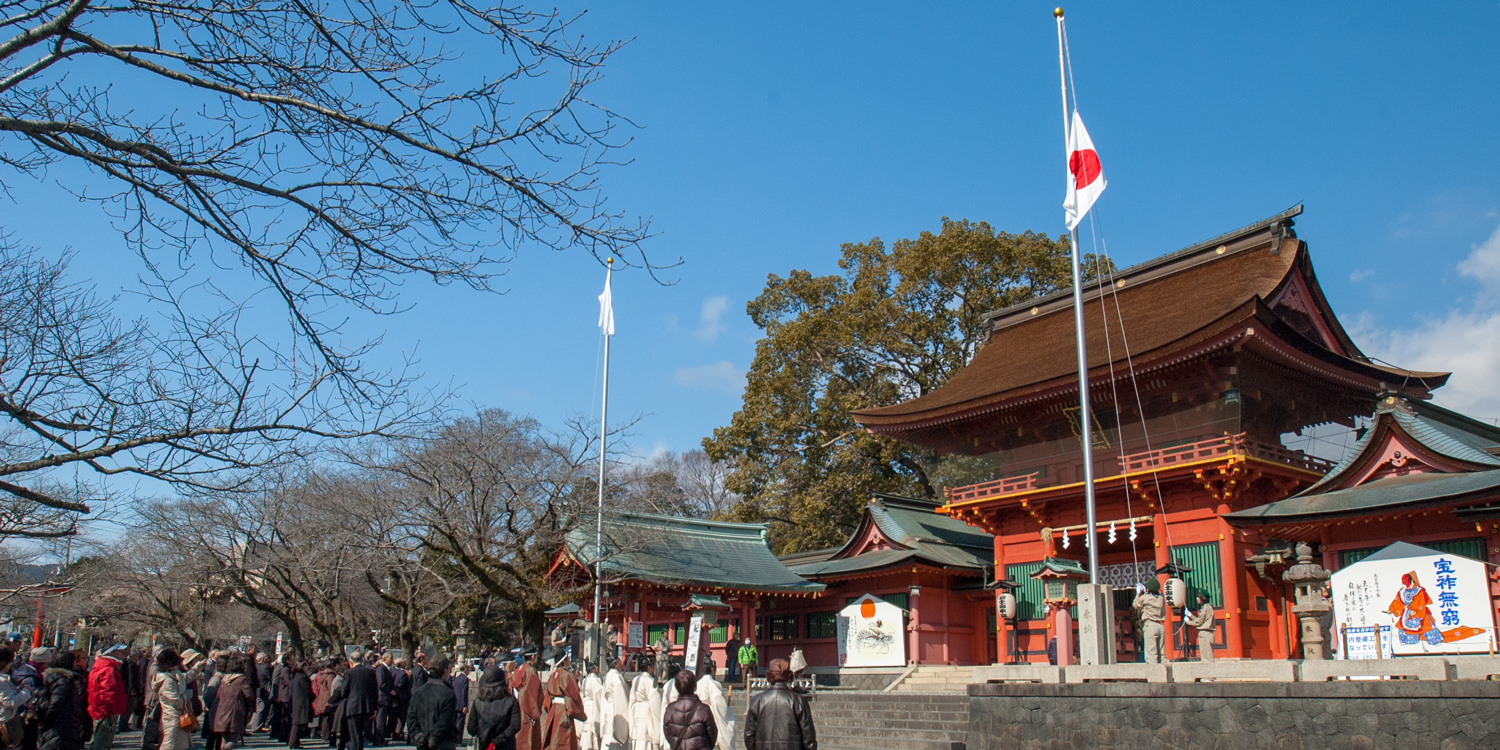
607, 309
1085, 174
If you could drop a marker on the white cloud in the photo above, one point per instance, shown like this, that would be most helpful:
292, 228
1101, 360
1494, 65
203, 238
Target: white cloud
1361, 275
719, 376
711, 319
1464, 341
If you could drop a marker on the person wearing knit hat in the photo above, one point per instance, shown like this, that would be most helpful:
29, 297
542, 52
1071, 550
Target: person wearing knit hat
41, 655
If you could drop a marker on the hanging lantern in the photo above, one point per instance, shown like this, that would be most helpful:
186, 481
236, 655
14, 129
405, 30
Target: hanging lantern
1005, 605
1176, 592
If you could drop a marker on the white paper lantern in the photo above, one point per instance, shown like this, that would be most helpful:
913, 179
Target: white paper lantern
1176, 592
1006, 605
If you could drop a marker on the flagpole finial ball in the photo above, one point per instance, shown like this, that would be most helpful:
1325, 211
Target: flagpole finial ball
1057, 13
610, 261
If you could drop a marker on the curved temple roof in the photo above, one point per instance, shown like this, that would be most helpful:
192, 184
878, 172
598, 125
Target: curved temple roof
1169, 304
688, 551
916, 533
1464, 448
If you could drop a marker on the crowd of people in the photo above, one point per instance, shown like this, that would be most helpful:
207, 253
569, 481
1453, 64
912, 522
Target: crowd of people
66, 700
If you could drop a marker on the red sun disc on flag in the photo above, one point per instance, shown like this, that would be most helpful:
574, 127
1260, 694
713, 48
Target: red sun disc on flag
1085, 167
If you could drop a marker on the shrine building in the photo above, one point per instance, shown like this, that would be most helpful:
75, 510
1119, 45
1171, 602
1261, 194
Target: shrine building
1214, 373
1233, 418
930, 566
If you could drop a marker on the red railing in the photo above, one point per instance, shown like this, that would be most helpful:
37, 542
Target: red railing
1217, 447
991, 489
1161, 458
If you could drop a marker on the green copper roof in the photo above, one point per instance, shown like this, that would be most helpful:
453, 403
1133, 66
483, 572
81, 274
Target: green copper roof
1381, 494
688, 551
1061, 565
1444, 432
704, 601
924, 535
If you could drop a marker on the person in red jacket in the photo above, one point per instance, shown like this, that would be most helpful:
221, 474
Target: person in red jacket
107, 695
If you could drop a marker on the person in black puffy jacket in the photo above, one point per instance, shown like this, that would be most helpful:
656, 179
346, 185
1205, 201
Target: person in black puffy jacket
779, 719
60, 706
689, 723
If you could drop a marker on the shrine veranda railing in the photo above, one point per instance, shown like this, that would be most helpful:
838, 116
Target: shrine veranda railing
1155, 460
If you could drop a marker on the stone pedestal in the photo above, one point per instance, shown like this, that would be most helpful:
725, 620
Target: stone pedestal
1096, 616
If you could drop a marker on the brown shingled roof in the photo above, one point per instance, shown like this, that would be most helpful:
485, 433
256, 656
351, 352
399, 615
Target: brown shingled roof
1166, 304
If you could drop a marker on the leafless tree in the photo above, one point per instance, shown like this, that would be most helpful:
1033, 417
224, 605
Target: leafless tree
496, 494
689, 484
327, 149
279, 550
194, 404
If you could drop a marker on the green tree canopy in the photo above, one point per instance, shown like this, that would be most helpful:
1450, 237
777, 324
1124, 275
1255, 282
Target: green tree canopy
897, 323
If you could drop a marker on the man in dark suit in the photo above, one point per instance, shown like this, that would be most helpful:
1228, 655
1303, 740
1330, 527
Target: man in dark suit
400, 701
386, 686
361, 700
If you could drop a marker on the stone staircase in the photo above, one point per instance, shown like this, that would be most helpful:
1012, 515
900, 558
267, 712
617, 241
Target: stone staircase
859, 720
931, 678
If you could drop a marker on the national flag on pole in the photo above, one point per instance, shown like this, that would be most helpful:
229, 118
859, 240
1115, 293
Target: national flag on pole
606, 309
1085, 174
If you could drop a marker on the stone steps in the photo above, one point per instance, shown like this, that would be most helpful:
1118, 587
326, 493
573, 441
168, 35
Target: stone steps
937, 679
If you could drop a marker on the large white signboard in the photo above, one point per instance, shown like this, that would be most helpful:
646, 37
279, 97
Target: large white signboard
870, 634
1435, 603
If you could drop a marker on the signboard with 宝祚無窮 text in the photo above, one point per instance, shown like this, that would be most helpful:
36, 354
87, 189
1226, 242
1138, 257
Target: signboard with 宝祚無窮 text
1434, 602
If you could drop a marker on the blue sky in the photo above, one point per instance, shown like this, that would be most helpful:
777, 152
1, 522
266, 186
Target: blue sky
771, 133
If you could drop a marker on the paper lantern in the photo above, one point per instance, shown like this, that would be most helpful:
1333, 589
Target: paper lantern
1176, 592
1006, 605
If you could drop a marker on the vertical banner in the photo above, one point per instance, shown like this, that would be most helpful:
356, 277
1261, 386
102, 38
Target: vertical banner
694, 637
278, 645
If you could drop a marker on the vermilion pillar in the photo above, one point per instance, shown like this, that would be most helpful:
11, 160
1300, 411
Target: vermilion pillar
1002, 628
1232, 567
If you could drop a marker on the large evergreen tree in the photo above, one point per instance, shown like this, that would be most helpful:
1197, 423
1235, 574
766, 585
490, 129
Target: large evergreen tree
898, 322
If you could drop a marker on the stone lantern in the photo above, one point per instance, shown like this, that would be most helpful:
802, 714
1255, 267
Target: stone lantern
1307, 579
461, 641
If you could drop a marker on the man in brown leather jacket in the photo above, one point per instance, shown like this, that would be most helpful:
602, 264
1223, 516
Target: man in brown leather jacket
779, 719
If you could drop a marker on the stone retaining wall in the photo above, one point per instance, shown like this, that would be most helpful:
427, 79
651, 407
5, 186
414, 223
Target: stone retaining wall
1230, 716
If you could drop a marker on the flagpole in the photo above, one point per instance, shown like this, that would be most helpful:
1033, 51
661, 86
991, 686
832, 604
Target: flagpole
1085, 417
603, 432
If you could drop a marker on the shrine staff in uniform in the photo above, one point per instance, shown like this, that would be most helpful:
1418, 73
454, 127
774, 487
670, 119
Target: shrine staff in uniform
1152, 608
1202, 620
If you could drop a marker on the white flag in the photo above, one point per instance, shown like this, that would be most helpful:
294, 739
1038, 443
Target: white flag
607, 309
1085, 174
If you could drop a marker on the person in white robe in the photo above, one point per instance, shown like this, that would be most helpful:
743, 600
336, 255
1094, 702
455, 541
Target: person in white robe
588, 728
614, 711
712, 693
645, 713
668, 694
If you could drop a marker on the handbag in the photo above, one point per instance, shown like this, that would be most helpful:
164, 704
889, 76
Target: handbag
188, 722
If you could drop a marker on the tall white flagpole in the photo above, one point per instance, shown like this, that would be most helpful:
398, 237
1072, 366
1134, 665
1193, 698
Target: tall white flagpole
608, 325
1085, 417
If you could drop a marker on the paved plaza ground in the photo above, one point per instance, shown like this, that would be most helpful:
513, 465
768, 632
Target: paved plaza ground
260, 741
